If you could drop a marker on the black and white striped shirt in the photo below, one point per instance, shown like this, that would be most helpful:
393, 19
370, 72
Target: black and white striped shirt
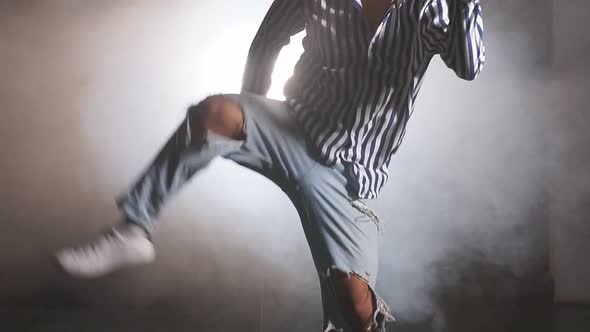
354, 91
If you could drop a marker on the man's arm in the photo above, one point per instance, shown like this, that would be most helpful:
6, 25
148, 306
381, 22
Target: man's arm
284, 19
455, 30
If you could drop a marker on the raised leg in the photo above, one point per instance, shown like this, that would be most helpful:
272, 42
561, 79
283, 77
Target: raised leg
211, 128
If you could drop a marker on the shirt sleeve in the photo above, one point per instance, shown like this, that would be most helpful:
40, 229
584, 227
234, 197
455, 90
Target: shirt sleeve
454, 29
284, 19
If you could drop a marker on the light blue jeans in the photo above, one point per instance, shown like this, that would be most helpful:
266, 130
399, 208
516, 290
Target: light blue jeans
342, 232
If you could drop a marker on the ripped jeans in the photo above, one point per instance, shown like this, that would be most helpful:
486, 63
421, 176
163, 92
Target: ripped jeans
342, 232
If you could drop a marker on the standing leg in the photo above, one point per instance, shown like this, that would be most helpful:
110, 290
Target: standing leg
343, 235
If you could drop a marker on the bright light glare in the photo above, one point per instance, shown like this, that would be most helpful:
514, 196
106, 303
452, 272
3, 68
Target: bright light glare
223, 71
284, 66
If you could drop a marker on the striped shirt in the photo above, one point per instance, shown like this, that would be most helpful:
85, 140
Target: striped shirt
352, 90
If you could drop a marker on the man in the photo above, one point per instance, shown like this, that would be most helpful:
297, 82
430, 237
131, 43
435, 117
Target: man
328, 146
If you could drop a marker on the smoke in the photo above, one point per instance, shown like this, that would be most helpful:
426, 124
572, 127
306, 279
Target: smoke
95, 88
466, 203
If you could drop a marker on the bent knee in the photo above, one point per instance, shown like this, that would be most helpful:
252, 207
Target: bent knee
219, 114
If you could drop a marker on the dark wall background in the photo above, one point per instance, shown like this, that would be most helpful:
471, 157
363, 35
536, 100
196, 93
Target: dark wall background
91, 90
570, 206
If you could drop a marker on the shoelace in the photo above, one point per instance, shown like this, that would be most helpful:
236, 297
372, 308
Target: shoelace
109, 237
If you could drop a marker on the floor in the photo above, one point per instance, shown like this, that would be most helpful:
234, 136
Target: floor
565, 319
62, 308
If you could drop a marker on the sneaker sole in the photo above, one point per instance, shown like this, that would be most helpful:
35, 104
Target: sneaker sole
58, 266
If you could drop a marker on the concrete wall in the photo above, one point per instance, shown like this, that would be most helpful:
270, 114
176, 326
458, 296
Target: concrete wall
570, 208
91, 89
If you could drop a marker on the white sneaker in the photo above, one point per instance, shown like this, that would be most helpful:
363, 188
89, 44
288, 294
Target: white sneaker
111, 251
